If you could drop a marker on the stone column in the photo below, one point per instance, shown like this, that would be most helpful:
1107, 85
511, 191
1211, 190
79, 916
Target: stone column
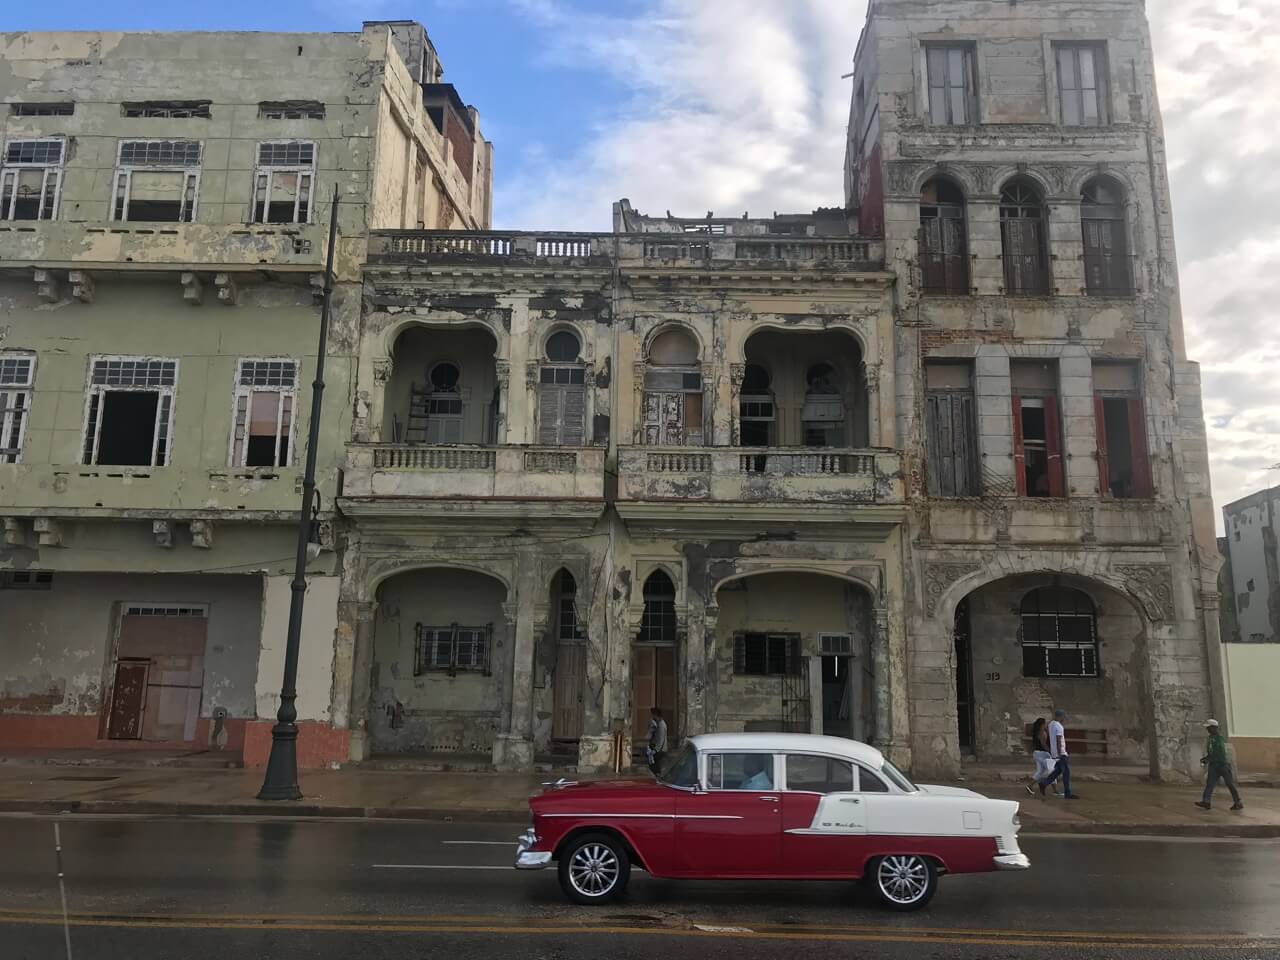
514, 749
814, 665
883, 700
365, 622
637, 407
693, 639
871, 386
501, 426
372, 409
737, 372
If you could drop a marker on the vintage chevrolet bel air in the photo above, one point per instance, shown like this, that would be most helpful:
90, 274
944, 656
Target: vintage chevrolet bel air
770, 806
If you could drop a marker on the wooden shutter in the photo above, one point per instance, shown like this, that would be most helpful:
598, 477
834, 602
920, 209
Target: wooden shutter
1140, 456
955, 269
1023, 255
1104, 463
1053, 443
951, 455
1019, 451
573, 418
932, 269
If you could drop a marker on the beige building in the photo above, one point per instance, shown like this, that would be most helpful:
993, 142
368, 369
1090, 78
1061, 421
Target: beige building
164, 209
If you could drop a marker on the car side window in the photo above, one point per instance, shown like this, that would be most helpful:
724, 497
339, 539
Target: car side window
818, 774
740, 771
869, 782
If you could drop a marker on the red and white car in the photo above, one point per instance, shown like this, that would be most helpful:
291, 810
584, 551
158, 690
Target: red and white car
770, 806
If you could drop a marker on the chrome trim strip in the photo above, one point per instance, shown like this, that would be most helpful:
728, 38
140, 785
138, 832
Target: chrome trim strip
648, 816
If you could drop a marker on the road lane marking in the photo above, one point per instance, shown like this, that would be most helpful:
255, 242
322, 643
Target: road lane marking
711, 928
437, 866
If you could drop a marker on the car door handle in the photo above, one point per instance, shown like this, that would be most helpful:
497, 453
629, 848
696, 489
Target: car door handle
850, 800
770, 799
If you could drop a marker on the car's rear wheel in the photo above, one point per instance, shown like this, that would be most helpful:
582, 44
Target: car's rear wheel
903, 881
594, 868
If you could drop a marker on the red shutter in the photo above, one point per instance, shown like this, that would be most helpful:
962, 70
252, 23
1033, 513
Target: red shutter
1053, 440
1104, 466
1142, 485
1019, 453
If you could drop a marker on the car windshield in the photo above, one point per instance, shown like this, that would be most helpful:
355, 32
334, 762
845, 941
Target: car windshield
681, 768
898, 777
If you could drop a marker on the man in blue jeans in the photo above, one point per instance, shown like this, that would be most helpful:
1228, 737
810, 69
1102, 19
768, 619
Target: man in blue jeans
1058, 753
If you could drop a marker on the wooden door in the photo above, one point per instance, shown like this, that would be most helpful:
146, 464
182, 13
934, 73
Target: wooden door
129, 691
642, 691
571, 669
172, 645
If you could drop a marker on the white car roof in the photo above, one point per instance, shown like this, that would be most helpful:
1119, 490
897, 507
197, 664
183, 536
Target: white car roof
791, 743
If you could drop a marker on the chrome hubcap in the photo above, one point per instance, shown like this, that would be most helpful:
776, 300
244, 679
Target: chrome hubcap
903, 879
593, 870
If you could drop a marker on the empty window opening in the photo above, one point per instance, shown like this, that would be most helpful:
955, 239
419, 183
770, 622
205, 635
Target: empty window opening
17, 372
1106, 247
284, 182
766, 654
1037, 439
944, 266
951, 85
291, 109
673, 409
26, 580
1023, 244
265, 396
452, 649
1059, 634
1082, 84
31, 179
128, 422
157, 181
167, 109
823, 415
951, 429
562, 393
62, 108
756, 412
1124, 464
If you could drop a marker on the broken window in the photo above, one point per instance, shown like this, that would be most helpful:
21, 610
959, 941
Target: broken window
167, 109
284, 182
944, 267
129, 417
291, 110
1037, 441
951, 427
766, 654
157, 180
451, 649
17, 373
62, 108
1059, 634
1082, 84
658, 619
673, 414
1124, 464
262, 422
756, 413
951, 85
562, 393
1106, 248
30, 179
822, 417
1023, 244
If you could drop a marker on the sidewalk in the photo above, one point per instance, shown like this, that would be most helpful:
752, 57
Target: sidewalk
1124, 808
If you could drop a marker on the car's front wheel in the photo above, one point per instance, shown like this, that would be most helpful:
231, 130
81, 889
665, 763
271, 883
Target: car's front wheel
903, 881
594, 868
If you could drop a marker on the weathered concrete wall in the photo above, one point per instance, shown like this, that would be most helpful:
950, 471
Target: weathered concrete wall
315, 654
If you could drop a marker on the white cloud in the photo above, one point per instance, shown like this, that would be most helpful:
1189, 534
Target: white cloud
739, 105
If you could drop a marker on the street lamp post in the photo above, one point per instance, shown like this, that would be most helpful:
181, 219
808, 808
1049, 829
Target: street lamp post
281, 780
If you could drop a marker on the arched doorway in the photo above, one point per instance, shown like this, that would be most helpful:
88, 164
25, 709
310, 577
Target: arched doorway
1029, 644
654, 656
440, 654
793, 654
442, 388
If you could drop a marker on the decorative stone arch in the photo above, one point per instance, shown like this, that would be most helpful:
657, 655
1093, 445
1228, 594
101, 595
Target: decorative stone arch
1003, 174
657, 326
544, 330
384, 345
1084, 174
635, 610
956, 173
579, 568
860, 579
382, 569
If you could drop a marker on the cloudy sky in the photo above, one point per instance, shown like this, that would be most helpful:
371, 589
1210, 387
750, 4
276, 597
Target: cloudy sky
734, 105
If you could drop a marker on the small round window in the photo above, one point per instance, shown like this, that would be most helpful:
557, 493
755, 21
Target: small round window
562, 347
444, 378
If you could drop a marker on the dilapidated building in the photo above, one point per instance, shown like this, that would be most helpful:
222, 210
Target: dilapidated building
164, 209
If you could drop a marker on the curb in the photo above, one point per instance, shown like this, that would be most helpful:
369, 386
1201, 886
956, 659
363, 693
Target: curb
1255, 831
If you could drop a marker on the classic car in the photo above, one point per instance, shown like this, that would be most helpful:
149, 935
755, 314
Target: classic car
769, 806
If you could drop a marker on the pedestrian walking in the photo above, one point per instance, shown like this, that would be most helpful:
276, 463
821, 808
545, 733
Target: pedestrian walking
656, 748
1040, 754
1218, 766
1058, 753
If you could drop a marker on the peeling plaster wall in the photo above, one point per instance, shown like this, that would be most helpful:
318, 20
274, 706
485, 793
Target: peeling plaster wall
315, 653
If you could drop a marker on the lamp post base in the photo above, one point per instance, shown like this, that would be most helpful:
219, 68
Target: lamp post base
281, 780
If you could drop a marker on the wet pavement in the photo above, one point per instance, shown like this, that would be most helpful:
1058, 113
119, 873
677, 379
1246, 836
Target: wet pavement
182, 887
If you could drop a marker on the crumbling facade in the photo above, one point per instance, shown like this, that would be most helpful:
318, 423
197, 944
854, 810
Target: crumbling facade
164, 211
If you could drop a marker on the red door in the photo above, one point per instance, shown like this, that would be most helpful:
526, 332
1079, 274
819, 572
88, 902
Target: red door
729, 833
832, 845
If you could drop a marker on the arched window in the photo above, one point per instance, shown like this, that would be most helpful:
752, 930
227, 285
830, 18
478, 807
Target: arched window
567, 625
1059, 634
1106, 250
1023, 243
822, 416
443, 405
944, 268
672, 413
562, 393
658, 622
755, 408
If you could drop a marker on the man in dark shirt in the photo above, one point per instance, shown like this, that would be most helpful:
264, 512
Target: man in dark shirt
1219, 767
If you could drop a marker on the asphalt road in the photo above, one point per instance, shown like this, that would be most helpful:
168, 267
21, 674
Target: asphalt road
146, 889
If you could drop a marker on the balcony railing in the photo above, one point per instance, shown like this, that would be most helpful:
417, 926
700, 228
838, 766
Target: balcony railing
419, 470
775, 474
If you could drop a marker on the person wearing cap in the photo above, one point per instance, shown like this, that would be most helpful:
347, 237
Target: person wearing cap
1058, 752
1219, 767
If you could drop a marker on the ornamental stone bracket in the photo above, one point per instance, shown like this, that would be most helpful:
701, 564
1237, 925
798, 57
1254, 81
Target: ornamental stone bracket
938, 578
1153, 584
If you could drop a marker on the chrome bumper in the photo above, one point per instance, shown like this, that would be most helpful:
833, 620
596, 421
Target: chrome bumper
1011, 861
527, 859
